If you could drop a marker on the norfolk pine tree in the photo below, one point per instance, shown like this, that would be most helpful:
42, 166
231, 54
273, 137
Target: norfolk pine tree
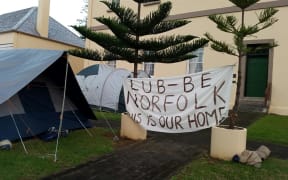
229, 24
129, 41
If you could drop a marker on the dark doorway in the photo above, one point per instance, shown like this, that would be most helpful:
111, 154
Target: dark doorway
257, 65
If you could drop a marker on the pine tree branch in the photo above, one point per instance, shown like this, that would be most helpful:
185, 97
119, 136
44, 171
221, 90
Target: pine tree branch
114, 25
125, 53
126, 15
268, 23
221, 46
108, 56
128, 42
168, 25
86, 54
154, 18
167, 59
178, 50
103, 39
154, 44
95, 55
163, 42
119, 30
243, 4
144, 1
225, 24
266, 18
245, 31
266, 14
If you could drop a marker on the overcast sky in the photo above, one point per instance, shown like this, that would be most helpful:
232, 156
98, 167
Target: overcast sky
64, 11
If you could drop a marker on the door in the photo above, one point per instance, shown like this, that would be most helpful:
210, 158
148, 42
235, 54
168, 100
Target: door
256, 73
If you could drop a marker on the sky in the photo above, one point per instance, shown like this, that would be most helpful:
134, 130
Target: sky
64, 11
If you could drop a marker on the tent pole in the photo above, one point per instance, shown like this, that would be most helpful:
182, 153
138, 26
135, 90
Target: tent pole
101, 95
14, 121
102, 90
62, 111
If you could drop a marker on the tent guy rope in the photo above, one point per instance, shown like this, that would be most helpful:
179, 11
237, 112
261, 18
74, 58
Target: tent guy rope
14, 121
78, 119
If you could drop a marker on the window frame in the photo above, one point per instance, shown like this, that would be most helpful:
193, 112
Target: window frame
151, 71
111, 63
196, 60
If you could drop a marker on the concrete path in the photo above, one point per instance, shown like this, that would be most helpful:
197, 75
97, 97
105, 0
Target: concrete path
156, 158
159, 157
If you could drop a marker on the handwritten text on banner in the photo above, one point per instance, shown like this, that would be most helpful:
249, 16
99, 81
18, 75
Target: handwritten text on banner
180, 104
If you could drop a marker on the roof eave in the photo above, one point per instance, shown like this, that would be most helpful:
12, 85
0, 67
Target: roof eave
15, 31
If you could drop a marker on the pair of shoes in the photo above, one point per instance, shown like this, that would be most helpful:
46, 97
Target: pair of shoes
263, 152
254, 158
5, 144
250, 158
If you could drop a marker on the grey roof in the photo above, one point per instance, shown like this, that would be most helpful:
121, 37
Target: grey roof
25, 21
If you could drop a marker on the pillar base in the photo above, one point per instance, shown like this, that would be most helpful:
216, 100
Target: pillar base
130, 129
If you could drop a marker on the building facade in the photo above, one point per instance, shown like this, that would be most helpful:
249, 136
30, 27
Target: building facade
34, 28
263, 74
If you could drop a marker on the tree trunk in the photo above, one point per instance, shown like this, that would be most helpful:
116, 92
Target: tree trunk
137, 41
135, 70
233, 115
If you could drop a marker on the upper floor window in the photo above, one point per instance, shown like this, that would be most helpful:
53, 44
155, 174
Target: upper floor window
111, 64
149, 68
155, 2
116, 1
196, 64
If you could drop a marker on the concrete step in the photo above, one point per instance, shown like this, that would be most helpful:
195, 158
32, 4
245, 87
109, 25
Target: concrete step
252, 107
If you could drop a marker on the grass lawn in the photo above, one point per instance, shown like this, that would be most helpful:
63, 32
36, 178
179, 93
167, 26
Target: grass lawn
270, 128
78, 147
107, 115
208, 168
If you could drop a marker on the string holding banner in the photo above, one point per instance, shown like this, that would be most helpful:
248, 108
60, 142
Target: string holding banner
180, 104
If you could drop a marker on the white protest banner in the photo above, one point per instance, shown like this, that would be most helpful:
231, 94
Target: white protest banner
180, 104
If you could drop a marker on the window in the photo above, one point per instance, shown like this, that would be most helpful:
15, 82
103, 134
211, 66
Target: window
149, 68
196, 64
151, 3
116, 1
111, 64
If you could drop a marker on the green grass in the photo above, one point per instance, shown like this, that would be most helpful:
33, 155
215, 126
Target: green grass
78, 147
207, 168
107, 115
270, 128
